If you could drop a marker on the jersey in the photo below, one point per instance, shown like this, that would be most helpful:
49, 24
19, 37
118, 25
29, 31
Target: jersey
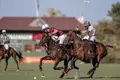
92, 31
59, 33
5, 39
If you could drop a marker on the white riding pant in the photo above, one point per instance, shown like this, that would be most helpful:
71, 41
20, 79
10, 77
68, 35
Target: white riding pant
60, 38
6, 46
55, 38
86, 37
92, 38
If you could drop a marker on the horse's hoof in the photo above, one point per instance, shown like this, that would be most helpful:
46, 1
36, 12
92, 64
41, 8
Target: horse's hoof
17, 70
66, 74
61, 68
42, 76
62, 75
90, 77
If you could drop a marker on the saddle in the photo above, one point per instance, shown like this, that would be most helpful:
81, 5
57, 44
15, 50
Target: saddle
88, 50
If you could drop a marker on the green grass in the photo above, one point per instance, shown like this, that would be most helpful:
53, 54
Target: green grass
29, 71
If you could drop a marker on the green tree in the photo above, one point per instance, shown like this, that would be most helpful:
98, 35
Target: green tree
115, 13
108, 32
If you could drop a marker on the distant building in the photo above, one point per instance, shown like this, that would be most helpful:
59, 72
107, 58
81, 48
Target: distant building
29, 28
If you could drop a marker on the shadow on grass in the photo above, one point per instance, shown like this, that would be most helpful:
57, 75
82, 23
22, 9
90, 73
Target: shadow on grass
27, 70
21, 70
92, 78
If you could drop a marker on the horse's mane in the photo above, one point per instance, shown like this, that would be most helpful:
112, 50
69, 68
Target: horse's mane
49, 41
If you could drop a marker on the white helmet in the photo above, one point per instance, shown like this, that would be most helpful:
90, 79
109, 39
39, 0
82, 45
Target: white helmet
44, 27
3, 31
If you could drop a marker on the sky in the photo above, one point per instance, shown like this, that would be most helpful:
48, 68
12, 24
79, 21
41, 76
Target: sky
96, 10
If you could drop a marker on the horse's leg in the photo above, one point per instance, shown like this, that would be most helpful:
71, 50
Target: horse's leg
55, 65
94, 61
65, 65
92, 71
41, 60
0, 59
65, 68
73, 64
15, 59
6, 61
96, 65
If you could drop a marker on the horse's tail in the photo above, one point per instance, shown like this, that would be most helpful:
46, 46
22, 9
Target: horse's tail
19, 55
109, 46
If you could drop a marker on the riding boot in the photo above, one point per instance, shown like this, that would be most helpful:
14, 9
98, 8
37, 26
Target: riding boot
92, 45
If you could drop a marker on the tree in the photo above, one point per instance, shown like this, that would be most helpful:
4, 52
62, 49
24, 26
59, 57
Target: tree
115, 13
54, 13
108, 32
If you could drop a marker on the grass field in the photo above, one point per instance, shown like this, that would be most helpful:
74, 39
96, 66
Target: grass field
29, 71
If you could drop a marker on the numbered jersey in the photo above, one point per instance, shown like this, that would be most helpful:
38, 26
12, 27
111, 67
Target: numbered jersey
4, 39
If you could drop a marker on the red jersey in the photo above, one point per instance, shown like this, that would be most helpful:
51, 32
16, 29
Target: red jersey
59, 33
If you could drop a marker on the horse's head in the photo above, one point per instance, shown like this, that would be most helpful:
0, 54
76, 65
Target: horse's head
44, 39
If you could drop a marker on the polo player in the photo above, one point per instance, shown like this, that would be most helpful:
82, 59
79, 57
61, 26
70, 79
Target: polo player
5, 40
89, 34
55, 34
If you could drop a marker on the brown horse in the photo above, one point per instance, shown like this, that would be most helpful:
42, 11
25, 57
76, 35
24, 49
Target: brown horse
100, 52
54, 52
12, 53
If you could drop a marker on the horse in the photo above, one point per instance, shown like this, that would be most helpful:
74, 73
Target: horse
12, 53
100, 52
54, 52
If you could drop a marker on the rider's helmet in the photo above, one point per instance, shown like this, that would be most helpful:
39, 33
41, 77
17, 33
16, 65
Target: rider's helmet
87, 23
44, 27
3, 31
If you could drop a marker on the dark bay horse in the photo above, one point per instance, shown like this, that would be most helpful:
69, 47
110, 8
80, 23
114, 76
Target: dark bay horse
100, 52
12, 53
54, 52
